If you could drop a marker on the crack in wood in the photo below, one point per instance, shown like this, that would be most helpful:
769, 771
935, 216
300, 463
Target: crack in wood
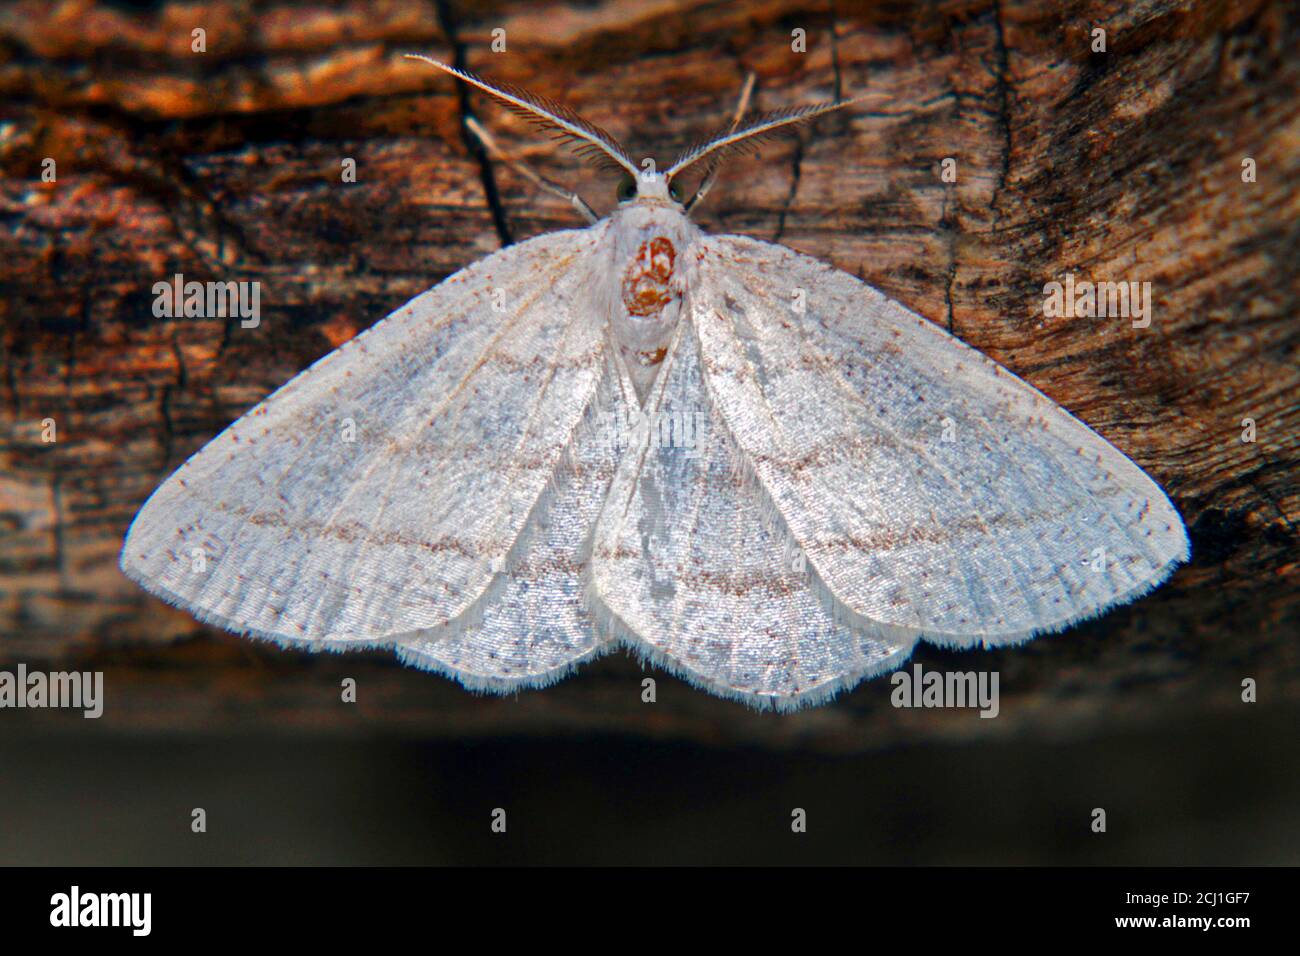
1002, 90
487, 177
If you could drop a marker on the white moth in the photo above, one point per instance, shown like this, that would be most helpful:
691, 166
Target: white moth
744, 465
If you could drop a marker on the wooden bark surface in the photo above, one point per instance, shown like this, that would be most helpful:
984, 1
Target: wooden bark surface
1122, 165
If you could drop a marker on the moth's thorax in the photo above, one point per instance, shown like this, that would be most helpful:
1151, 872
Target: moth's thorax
646, 241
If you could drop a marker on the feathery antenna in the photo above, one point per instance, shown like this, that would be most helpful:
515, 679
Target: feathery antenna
748, 136
711, 175
592, 142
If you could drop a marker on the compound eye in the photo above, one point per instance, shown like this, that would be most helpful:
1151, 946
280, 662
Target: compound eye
626, 189
674, 191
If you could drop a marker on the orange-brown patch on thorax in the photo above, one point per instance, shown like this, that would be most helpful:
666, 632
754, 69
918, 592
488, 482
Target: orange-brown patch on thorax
645, 283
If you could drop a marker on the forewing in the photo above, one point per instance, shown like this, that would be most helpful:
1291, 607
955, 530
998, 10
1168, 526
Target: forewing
695, 571
930, 488
369, 496
530, 626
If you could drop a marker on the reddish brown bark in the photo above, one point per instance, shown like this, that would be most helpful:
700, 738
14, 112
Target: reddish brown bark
1125, 164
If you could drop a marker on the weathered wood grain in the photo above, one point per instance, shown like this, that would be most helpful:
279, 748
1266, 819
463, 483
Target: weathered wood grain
1122, 165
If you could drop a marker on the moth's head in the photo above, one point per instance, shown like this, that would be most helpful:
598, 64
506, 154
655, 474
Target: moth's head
648, 186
